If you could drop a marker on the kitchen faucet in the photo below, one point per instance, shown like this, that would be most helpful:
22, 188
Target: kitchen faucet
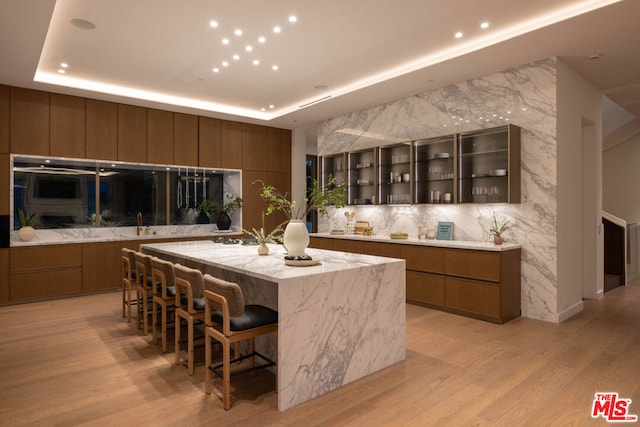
139, 224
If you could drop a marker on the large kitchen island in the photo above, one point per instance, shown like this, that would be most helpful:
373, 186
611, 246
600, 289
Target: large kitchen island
339, 320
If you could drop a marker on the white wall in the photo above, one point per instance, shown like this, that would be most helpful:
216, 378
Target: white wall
579, 201
621, 180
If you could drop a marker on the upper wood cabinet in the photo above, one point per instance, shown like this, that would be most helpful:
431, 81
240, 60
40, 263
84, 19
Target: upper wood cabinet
231, 144
67, 130
132, 133
279, 150
159, 136
101, 140
5, 102
255, 150
4, 184
209, 150
29, 123
185, 139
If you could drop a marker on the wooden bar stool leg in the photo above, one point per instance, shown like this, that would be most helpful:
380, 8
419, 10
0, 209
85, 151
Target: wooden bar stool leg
177, 339
163, 328
190, 347
207, 364
226, 375
154, 321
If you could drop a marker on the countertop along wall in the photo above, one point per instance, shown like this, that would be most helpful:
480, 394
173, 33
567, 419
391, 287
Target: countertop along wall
527, 96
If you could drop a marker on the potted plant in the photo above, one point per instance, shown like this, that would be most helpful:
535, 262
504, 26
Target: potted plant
497, 229
296, 236
262, 238
26, 231
221, 210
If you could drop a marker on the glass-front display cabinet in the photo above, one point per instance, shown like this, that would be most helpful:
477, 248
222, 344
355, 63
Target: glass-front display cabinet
77, 193
394, 174
489, 166
362, 177
333, 166
434, 170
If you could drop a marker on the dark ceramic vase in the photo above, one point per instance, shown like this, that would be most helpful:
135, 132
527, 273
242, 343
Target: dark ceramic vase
223, 222
203, 218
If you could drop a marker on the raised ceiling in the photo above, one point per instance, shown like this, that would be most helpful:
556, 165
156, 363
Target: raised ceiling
338, 56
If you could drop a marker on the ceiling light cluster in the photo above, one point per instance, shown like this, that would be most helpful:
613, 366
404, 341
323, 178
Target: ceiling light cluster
249, 48
485, 118
63, 68
483, 25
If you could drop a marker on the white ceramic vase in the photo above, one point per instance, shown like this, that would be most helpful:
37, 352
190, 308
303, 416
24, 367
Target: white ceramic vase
296, 237
26, 233
263, 249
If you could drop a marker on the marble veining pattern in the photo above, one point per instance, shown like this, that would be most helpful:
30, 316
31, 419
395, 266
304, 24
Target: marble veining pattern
338, 321
527, 96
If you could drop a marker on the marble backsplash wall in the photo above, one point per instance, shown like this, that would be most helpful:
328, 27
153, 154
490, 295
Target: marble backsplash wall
524, 96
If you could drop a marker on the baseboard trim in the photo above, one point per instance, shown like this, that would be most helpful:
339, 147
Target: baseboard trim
571, 311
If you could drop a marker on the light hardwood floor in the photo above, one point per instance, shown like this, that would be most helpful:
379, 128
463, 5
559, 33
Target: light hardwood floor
77, 362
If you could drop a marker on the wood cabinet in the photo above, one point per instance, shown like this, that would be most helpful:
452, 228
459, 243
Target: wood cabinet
29, 122
132, 133
231, 144
255, 151
279, 150
101, 141
5, 102
484, 284
159, 137
67, 132
5, 202
101, 265
4, 275
185, 139
209, 145
44, 271
253, 205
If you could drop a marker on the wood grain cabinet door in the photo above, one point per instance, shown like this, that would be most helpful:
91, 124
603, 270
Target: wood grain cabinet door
67, 131
159, 137
425, 288
29, 127
132, 133
209, 151
101, 130
5, 109
185, 139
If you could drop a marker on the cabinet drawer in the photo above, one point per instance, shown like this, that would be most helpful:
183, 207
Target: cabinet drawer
101, 265
390, 250
43, 257
482, 265
321, 243
43, 284
474, 297
425, 288
421, 258
353, 246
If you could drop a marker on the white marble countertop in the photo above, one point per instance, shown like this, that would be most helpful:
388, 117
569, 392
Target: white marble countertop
244, 259
456, 244
115, 234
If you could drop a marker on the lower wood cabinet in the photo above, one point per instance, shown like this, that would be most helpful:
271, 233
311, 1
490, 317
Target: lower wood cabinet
484, 284
4, 275
44, 271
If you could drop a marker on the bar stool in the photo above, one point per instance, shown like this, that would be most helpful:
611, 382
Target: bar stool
189, 306
144, 287
231, 323
164, 295
129, 278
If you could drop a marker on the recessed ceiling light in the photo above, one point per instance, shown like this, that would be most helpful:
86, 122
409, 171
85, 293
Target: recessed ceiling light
256, 62
248, 48
262, 39
213, 24
263, 109
271, 106
47, 161
236, 57
61, 71
458, 35
484, 25
292, 18
64, 65
225, 63
321, 87
275, 67
216, 70
225, 41
83, 24
238, 32
277, 29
